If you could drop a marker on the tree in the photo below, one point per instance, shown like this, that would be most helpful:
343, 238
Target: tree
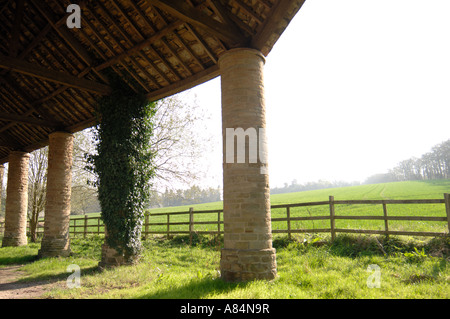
431, 165
37, 187
84, 193
176, 143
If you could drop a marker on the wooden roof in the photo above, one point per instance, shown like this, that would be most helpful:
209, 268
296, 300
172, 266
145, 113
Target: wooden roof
51, 75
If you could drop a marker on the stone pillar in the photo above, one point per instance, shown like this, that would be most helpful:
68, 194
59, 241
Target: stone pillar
247, 252
2, 172
16, 200
57, 208
112, 258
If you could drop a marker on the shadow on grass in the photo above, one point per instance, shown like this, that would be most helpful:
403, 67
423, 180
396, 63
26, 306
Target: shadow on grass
18, 255
49, 278
195, 289
18, 260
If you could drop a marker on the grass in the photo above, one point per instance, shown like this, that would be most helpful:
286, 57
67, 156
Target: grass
173, 269
410, 267
397, 190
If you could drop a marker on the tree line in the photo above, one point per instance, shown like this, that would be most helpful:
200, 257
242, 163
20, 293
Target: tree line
190, 196
320, 184
432, 165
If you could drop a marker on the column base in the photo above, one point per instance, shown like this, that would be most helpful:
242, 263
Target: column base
55, 247
250, 264
13, 241
111, 258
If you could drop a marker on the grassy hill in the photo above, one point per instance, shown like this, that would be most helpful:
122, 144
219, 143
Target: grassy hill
397, 190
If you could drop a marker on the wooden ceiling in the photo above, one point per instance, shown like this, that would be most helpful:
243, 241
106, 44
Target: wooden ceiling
52, 75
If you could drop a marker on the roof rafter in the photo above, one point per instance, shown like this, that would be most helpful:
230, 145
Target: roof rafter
272, 23
26, 120
181, 10
15, 34
53, 76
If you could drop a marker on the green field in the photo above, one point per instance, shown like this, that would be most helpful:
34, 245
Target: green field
397, 190
410, 267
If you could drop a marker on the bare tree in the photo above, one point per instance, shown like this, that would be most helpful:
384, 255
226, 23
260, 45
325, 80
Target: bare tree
177, 142
37, 186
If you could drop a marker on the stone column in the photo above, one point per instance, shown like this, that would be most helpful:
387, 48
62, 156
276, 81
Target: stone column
16, 200
2, 172
248, 252
57, 208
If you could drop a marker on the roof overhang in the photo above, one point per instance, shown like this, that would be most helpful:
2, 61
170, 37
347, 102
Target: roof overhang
51, 75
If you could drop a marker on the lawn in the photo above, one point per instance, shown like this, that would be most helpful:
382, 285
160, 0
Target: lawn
408, 268
397, 190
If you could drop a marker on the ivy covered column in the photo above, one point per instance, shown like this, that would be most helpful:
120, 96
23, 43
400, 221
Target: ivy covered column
124, 165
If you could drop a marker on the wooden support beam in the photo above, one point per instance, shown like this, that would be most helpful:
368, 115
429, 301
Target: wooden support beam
185, 84
34, 106
52, 75
26, 120
227, 32
272, 22
67, 36
63, 31
15, 34
134, 50
7, 141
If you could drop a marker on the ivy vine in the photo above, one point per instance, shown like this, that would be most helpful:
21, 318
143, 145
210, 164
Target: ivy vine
124, 165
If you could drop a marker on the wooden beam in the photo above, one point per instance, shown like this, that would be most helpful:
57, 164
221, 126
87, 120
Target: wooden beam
26, 120
181, 10
67, 36
185, 84
15, 34
35, 106
37, 39
63, 31
32, 69
6, 140
272, 22
158, 35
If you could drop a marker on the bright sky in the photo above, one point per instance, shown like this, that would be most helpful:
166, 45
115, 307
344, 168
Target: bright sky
352, 88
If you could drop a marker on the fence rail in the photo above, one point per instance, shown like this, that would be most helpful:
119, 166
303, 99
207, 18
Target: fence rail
94, 225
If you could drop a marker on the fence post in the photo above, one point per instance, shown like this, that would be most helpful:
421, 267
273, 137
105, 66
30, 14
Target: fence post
447, 209
386, 223
146, 226
218, 223
288, 213
85, 226
191, 224
98, 225
332, 221
168, 226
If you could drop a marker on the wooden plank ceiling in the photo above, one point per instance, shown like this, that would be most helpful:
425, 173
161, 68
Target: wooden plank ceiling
51, 75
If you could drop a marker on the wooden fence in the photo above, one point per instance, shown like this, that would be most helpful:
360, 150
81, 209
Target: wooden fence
94, 225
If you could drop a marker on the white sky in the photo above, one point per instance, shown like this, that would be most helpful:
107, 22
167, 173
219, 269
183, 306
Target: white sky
352, 88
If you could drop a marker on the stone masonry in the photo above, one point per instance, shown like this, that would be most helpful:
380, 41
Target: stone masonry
247, 253
16, 200
112, 258
2, 173
56, 240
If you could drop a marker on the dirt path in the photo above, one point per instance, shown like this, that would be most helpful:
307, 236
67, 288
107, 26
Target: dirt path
10, 288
